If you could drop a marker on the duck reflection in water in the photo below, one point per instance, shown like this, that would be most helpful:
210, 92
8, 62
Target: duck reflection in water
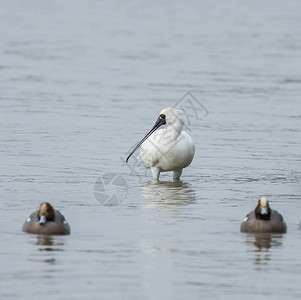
48, 246
263, 242
52, 244
44, 240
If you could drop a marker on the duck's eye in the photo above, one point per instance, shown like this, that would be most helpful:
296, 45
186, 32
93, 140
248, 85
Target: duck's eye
162, 116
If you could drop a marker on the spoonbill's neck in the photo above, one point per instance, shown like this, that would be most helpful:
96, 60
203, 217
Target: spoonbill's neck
172, 132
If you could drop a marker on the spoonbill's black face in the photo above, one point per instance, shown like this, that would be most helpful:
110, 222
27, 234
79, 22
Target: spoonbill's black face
162, 117
160, 121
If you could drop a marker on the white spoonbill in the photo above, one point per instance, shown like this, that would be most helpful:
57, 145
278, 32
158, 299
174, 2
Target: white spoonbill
169, 149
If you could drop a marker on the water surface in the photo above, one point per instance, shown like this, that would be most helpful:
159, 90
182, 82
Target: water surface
82, 82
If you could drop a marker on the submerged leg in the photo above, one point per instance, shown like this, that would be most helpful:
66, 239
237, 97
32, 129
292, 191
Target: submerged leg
156, 173
177, 174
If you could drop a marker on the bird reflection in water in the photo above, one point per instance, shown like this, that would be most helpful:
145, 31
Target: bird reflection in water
165, 198
263, 242
49, 244
44, 240
169, 193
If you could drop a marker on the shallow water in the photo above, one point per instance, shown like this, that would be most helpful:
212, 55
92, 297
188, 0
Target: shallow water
82, 82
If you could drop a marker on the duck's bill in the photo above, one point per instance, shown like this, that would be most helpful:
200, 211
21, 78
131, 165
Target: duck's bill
159, 123
42, 220
264, 211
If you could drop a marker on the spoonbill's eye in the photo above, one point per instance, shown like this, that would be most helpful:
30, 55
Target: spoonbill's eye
162, 116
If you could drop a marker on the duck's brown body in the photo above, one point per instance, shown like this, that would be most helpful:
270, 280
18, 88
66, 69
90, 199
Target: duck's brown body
55, 223
276, 224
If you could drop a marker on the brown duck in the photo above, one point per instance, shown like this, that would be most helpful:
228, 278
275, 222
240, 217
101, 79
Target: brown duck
47, 221
263, 220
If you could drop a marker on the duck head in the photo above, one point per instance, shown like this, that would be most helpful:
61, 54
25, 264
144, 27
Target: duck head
263, 210
46, 213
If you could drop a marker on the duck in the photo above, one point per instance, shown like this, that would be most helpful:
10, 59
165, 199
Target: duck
263, 220
46, 221
168, 149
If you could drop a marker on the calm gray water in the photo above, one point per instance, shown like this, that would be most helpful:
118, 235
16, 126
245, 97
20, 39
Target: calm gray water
82, 81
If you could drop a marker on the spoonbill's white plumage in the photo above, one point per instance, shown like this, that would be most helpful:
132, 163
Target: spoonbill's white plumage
169, 149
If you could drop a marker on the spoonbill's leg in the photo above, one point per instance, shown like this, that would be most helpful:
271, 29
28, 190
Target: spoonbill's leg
177, 174
156, 173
